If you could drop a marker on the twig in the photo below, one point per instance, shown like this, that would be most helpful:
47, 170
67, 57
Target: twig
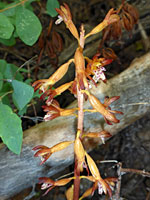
118, 186
135, 171
35, 119
13, 6
108, 161
5, 94
28, 68
32, 193
26, 63
121, 171
5, 55
13, 53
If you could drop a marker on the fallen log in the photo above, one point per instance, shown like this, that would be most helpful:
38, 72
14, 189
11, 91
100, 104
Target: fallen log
20, 172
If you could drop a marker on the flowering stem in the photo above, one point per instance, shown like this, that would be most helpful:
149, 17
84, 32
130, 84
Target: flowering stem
79, 127
80, 97
80, 111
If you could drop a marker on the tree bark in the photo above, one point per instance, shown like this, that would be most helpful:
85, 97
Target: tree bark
20, 172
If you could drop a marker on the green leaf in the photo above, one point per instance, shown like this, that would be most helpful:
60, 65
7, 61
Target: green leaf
6, 88
1, 81
24, 110
6, 28
8, 42
11, 9
22, 94
13, 21
50, 6
28, 5
6, 100
28, 26
23, 70
11, 133
3, 5
10, 72
3, 64
28, 81
36, 94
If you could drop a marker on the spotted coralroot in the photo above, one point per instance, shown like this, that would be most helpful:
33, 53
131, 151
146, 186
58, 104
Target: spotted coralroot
99, 183
79, 153
65, 15
51, 93
96, 67
110, 18
102, 135
45, 152
53, 111
49, 184
88, 72
44, 84
82, 82
109, 182
103, 108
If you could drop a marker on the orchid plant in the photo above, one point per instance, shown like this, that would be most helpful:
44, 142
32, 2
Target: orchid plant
86, 76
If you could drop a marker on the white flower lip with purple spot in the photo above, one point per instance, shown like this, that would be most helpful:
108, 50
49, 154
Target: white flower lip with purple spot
45, 186
59, 20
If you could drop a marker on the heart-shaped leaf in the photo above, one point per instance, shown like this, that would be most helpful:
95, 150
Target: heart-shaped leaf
50, 6
10, 129
6, 28
22, 94
28, 26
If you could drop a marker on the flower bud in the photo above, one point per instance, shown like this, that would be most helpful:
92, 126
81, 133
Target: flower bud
65, 14
101, 108
69, 193
98, 28
95, 172
93, 168
102, 135
80, 69
61, 71
64, 181
110, 18
60, 146
80, 153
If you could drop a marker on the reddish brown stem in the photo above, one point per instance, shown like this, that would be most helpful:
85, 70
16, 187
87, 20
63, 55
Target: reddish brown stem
80, 98
80, 111
79, 127
76, 182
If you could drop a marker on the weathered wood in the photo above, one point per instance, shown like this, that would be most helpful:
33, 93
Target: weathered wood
19, 172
